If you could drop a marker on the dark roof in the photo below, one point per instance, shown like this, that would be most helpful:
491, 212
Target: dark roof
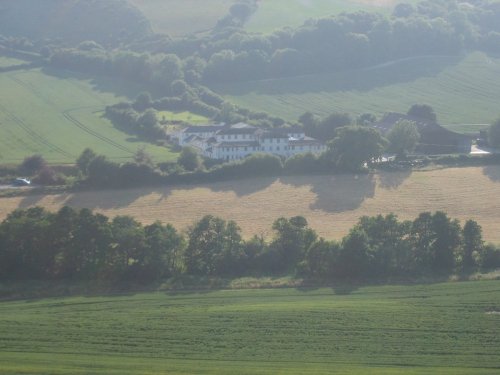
238, 144
305, 141
244, 130
434, 138
203, 128
275, 133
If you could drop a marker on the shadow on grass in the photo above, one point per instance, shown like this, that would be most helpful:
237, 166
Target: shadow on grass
336, 193
392, 180
492, 172
102, 84
242, 187
360, 80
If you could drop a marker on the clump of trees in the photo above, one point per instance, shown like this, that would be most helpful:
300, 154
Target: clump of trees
81, 245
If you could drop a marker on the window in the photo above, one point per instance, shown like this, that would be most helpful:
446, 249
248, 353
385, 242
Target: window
244, 136
279, 140
246, 148
277, 148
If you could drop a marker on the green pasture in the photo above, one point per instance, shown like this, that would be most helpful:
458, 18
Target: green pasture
58, 115
275, 14
450, 328
188, 117
177, 18
464, 91
6, 62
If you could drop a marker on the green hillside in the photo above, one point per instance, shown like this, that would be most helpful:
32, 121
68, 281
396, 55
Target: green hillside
176, 17
451, 328
59, 115
463, 91
274, 14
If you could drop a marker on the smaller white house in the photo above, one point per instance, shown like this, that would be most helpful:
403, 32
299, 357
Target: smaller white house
186, 136
234, 142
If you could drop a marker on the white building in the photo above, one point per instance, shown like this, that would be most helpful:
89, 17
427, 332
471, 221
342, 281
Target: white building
234, 142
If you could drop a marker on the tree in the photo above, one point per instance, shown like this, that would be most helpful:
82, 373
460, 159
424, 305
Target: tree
355, 145
163, 247
388, 241
143, 102
366, 119
354, 257
326, 128
31, 165
473, 244
214, 247
494, 134
189, 159
423, 112
436, 241
293, 238
142, 157
403, 138
84, 160
319, 259
241, 11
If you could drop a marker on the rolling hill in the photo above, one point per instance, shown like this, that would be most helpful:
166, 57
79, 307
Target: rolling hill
463, 90
58, 114
450, 328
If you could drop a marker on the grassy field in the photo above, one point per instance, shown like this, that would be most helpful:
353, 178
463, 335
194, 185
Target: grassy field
59, 115
182, 116
331, 204
6, 62
177, 18
463, 91
451, 328
274, 14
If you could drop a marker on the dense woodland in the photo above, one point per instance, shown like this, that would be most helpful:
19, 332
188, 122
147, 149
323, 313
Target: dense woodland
81, 245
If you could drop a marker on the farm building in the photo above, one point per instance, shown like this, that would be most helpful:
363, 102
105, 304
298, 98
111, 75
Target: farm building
434, 139
233, 142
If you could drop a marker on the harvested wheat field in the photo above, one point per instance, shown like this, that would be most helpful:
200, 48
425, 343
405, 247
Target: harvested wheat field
331, 204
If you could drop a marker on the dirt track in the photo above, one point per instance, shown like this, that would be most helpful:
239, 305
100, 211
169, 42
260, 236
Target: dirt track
332, 204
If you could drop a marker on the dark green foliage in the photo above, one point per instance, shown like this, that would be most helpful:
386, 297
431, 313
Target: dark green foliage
215, 247
403, 138
189, 159
293, 238
325, 129
494, 134
84, 160
423, 112
436, 240
354, 146
490, 257
32, 165
81, 245
472, 245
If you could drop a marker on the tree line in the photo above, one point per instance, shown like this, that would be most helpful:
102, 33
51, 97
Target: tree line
345, 41
81, 245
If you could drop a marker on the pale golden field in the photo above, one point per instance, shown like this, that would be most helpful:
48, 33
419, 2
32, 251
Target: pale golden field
331, 204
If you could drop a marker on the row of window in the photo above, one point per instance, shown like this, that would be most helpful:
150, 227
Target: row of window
270, 148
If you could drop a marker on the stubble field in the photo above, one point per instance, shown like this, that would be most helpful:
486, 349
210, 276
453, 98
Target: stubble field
331, 204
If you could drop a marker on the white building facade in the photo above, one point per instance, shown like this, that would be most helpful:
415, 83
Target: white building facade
235, 142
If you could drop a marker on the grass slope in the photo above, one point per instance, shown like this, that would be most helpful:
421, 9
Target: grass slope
274, 14
331, 204
177, 18
462, 91
59, 115
450, 328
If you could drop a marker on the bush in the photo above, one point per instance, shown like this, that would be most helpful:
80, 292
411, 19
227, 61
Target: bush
490, 257
48, 176
32, 165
